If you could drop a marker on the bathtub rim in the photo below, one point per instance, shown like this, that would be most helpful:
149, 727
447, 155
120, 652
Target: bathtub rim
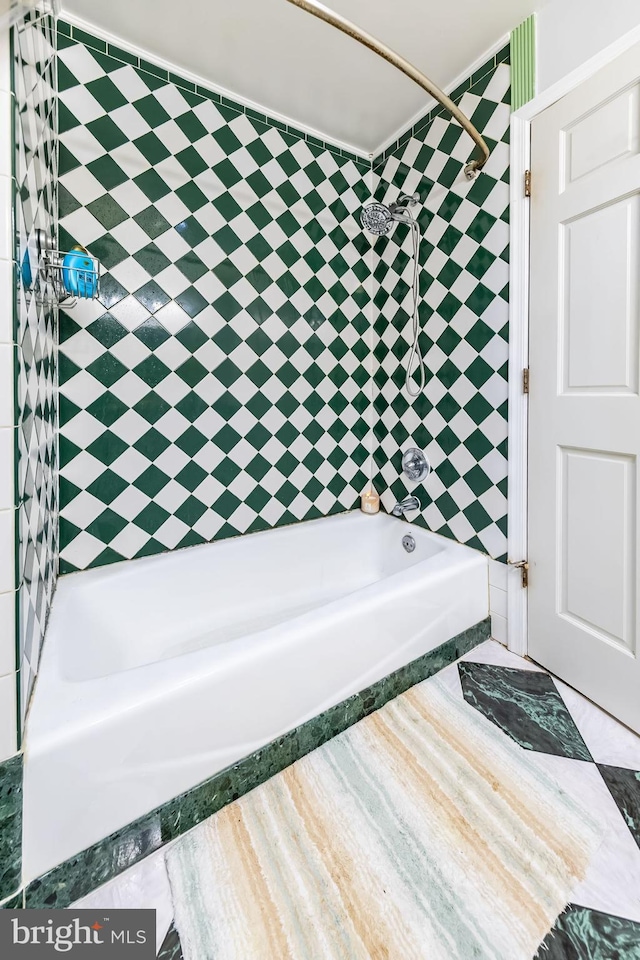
57, 696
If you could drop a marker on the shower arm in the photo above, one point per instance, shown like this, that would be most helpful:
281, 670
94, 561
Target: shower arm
346, 26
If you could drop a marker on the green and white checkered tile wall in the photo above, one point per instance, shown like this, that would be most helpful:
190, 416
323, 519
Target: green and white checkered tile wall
221, 383
35, 204
460, 420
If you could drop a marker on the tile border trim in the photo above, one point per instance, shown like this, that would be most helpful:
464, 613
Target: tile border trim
70, 31
106, 859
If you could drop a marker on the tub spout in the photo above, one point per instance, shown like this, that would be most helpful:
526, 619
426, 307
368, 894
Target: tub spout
405, 506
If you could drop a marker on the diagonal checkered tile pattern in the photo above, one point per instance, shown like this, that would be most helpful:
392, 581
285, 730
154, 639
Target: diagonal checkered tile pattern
461, 418
33, 44
219, 385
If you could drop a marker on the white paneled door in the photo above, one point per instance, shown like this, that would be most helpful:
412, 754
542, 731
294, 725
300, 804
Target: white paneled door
584, 388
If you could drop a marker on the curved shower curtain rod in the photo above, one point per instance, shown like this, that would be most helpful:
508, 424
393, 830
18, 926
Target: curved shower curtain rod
346, 26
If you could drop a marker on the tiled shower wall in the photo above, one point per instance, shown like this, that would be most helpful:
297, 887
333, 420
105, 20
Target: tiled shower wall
28, 483
221, 383
36, 209
28, 411
8, 595
460, 419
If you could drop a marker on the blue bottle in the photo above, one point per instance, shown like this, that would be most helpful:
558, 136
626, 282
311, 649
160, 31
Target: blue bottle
79, 273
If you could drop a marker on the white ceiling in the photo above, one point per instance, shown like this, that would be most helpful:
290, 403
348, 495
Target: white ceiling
290, 63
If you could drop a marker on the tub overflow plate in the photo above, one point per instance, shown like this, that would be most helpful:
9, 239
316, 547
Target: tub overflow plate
408, 543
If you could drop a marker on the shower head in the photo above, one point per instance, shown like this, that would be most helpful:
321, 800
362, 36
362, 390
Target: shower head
379, 219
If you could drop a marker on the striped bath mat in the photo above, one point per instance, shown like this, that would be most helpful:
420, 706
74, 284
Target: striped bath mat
421, 833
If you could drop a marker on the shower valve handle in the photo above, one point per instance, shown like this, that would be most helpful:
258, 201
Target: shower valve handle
415, 465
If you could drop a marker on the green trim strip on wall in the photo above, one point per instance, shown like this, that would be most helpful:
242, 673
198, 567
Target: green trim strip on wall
91, 868
67, 31
523, 63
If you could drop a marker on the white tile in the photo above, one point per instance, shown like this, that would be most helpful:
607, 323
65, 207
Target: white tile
492, 652
498, 601
612, 880
8, 720
6, 219
608, 741
7, 413
498, 574
5, 61
6, 106
7, 550
143, 886
499, 628
450, 678
7, 632
7, 454
6, 301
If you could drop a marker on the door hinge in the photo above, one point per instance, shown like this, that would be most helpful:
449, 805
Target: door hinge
527, 183
525, 380
523, 567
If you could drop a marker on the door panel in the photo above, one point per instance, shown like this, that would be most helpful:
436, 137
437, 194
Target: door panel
596, 586
584, 430
611, 292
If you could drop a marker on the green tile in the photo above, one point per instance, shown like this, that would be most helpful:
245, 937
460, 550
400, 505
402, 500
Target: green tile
151, 110
192, 196
152, 370
152, 185
151, 333
191, 301
119, 54
151, 518
107, 330
152, 222
107, 94
107, 172
191, 126
107, 369
151, 482
193, 163
152, 148
107, 211
191, 231
152, 407
191, 371
192, 337
151, 296
89, 40
152, 259
107, 447
152, 68
181, 82
151, 444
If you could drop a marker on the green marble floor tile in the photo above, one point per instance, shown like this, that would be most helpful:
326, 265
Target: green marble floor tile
583, 934
10, 826
171, 948
624, 787
13, 903
526, 705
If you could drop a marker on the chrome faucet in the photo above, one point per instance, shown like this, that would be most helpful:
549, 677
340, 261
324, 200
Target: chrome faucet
406, 505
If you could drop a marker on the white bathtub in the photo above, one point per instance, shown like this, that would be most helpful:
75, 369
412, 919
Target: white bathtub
158, 673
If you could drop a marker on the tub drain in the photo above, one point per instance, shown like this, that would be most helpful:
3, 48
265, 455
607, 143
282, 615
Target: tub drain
408, 543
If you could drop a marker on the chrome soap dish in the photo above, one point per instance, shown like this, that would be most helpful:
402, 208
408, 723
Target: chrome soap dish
66, 276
